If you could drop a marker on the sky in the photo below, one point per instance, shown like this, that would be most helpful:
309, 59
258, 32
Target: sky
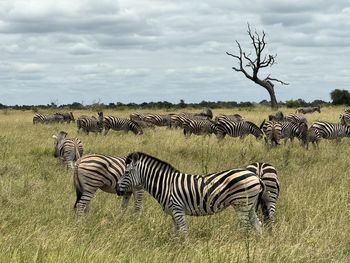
161, 50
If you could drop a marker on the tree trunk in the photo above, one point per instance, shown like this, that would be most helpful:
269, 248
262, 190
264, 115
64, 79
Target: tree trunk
274, 104
268, 85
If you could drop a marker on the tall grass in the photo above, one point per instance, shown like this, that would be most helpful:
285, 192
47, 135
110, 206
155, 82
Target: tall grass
37, 222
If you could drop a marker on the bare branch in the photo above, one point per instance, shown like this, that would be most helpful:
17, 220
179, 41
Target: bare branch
277, 80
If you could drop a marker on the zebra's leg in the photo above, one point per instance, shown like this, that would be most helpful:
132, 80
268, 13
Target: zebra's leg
125, 201
138, 196
179, 220
106, 131
83, 200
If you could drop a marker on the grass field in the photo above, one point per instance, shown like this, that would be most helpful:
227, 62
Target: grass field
37, 222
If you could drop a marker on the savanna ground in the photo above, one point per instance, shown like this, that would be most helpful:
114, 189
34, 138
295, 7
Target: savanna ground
37, 222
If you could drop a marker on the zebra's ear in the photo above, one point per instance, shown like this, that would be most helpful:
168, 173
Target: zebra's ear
135, 157
262, 124
54, 136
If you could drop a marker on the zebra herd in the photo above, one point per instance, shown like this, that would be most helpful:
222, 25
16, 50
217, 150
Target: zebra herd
248, 190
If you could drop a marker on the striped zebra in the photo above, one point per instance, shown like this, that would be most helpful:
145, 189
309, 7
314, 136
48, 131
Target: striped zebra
158, 119
347, 110
295, 117
177, 120
237, 129
305, 110
90, 124
272, 131
198, 127
121, 124
277, 116
182, 194
144, 124
38, 118
67, 116
344, 118
97, 171
268, 174
67, 150
331, 131
51, 118
234, 118
290, 130
313, 136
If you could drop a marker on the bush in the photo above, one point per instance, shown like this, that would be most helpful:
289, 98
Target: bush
292, 104
340, 97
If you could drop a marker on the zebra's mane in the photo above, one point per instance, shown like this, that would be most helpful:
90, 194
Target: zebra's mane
145, 155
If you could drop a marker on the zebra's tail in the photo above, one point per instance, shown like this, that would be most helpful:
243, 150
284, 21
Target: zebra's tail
77, 184
264, 200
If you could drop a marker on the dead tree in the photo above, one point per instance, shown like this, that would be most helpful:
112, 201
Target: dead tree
255, 64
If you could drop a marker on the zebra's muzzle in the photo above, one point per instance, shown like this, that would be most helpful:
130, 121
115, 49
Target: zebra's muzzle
119, 191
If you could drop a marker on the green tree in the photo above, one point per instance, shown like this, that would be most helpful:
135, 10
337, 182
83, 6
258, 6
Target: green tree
340, 97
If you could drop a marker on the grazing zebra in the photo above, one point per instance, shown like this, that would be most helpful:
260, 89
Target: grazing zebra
234, 118
158, 119
291, 129
198, 127
97, 171
268, 174
67, 150
144, 124
295, 117
345, 118
331, 131
90, 124
38, 118
272, 131
121, 124
305, 110
313, 136
67, 116
237, 129
182, 194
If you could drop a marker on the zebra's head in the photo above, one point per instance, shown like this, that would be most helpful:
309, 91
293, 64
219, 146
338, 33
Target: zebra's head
57, 142
131, 177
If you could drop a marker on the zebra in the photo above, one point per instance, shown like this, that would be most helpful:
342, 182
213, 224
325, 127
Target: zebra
347, 110
268, 174
305, 110
144, 124
331, 131
290, 130
97, 171
182, 194
234, 117
121, 124
90, 124
67, 150
237, 129
67, 116
313, 136
38, 118
295, 117
137, 116
158, 119
344, 118
41, 118
198, 127
272, 131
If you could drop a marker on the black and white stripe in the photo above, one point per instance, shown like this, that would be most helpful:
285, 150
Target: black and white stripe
268, 174
50, 118
295, 117
272, 131
182, 194
67, 150
290, 130
96, 171
67, 116
234, 118
198, 127
121, 124
331, 131
237, 129
344, 118
90, 124
313, 136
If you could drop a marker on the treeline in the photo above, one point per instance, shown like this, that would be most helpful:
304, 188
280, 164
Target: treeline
166, 105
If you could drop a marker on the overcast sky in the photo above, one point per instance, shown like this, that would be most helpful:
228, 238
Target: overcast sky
135, 51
